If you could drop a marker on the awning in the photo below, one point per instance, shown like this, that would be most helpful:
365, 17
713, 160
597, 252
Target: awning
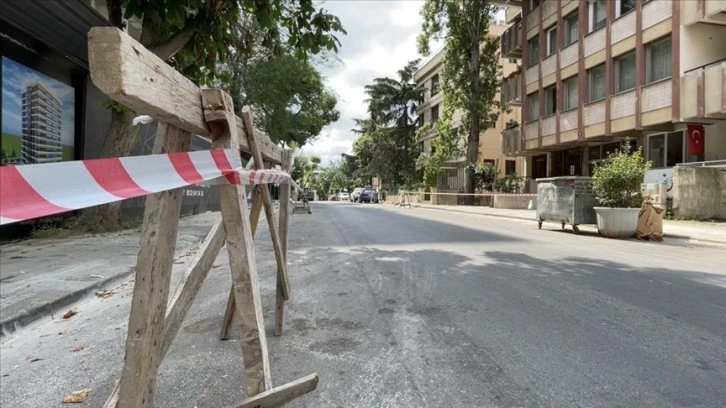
61, 25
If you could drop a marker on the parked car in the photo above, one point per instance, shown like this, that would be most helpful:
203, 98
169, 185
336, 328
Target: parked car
369, 196
344, 196
355, 195
333, 197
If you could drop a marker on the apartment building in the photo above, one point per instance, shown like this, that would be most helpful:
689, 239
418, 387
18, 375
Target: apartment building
490, 147
41, 128
594, 73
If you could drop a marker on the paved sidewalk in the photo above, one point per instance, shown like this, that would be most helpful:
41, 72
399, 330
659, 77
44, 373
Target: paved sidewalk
708, 232
42, 278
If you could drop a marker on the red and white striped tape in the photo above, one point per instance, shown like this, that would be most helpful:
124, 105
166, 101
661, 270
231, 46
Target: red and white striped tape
38, 190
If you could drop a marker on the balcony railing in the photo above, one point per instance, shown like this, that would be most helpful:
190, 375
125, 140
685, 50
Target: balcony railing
511, 94
512, 41
512, 142
702, 92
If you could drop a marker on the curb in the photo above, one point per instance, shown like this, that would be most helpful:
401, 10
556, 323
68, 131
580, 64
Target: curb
669, 235
53, 308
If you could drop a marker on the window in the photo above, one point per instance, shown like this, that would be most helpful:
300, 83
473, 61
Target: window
533, 4
570, 90
533, 106
658, 60
625, 72
533, 51
596, 83
667, 149
435, 114
434, 84
552, 40
597, 11
623, 6
550, 102
571, 28
510, 167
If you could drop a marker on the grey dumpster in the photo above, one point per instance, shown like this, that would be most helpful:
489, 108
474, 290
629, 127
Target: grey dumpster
566, 200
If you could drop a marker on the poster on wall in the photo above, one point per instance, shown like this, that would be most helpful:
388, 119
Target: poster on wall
38, 123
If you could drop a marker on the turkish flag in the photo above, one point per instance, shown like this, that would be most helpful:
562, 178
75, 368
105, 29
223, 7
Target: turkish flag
695, 139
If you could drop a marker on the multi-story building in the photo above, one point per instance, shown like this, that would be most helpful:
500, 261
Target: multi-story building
490, 148
42, 114
597, 72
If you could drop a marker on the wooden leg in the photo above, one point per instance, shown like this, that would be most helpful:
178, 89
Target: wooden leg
151, 286
229, 309
284, 228
185, 293
219, 114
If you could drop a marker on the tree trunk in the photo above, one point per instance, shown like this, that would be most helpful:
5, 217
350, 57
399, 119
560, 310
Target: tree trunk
121, 138
472, 152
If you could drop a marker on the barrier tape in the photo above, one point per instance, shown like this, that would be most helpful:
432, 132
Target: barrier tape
480, 194
38, 190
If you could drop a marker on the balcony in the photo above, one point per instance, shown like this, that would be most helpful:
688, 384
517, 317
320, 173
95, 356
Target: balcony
702, 92
712, 12
512, 142
511, 94
512, 41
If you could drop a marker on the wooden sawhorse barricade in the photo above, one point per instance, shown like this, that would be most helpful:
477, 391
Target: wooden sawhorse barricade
404, 199
132, 75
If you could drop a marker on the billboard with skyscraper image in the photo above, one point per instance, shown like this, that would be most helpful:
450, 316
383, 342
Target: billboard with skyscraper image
37, 116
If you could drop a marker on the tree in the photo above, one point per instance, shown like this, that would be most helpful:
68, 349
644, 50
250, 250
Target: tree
470, 72
288, 97
193, 35
387, 144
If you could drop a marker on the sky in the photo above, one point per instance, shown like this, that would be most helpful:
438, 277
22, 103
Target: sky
15, 78
381, 40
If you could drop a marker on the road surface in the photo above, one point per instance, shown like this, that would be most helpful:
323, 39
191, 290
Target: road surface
425, 308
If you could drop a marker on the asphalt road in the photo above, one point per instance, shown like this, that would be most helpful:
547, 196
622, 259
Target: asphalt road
424, 308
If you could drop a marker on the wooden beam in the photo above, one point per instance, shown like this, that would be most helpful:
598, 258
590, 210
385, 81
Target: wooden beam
130, 74
229, 309
252, 137
151, 286
284, 228
281, 395
185, 293
218, 111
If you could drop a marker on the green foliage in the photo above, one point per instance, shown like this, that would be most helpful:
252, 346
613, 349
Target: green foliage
511, 183
483, 174
115, 106
471, 74
196, 34
288, 97
387, 146
617, 182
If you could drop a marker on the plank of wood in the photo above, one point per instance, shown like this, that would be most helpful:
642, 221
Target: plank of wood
282, 278
185, 293
240, 248
286, 166
130, 74
151, 285
283, 394
229, 309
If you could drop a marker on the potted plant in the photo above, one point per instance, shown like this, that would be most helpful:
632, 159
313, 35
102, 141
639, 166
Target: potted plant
616, 184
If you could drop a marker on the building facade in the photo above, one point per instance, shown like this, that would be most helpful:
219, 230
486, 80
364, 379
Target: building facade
490, 146
42, 113
594, 73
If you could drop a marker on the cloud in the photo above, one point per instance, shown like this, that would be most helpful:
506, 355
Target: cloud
381, 40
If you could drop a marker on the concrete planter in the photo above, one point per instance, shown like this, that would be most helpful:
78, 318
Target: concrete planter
617, 222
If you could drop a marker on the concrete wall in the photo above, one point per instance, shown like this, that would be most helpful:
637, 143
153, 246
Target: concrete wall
515, 202
701, 44
699, 192
715, 143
